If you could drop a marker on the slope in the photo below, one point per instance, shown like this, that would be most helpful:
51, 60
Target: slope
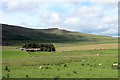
17, 34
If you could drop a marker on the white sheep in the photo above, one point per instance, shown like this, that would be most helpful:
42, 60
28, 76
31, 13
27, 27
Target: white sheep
100, 64
97, 54
83, 60
115, 65
40, 67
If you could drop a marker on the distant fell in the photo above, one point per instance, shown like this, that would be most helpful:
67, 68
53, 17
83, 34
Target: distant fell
16, 34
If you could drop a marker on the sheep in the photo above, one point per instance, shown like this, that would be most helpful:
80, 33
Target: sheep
40, 67
115, 66
100, 64
97, 54
83, 60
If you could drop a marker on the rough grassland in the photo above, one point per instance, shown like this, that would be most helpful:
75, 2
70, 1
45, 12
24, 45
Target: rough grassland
88, 47
61, 64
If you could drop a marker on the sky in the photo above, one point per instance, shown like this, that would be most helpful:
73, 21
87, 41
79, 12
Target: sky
87, 16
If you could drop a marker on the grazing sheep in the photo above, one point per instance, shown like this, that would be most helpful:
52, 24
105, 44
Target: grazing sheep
115, 66
83, 60
100, 64
40, 67
97, 54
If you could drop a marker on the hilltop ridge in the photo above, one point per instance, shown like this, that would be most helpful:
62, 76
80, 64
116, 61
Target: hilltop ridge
13, 34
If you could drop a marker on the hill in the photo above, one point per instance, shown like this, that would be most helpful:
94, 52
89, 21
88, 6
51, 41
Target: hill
16, 34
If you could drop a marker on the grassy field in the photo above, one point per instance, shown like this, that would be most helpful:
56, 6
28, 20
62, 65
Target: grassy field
73, 47
80, 61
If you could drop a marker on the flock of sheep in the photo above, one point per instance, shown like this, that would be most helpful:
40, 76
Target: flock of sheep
115, 65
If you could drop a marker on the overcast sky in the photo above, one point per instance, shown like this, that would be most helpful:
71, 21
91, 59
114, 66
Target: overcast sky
86, 16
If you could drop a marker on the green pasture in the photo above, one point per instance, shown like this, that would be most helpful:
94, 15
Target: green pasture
64, 64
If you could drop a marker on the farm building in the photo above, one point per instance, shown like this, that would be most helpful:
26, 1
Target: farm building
30, 49
38, 47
